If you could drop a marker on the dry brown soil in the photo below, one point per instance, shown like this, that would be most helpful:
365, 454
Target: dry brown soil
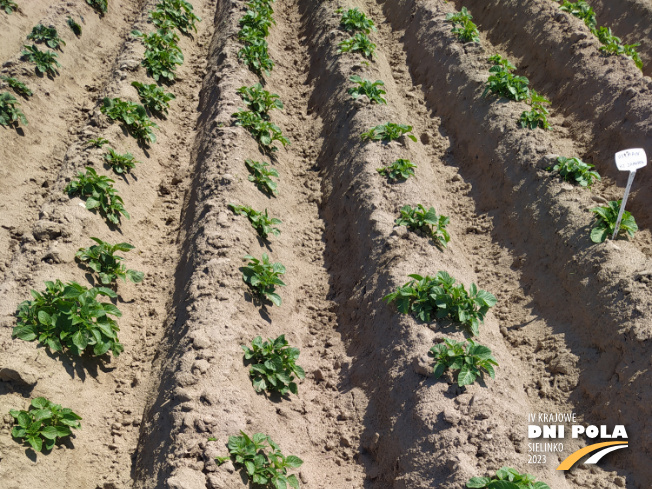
573, 324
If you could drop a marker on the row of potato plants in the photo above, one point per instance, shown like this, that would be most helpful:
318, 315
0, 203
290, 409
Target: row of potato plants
68, 317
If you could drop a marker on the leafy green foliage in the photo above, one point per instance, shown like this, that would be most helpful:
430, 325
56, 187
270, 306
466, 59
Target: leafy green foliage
581, 10
261, 174
503, 82
388, 132
255, 56
274, 365
133, 116
17, 86
99, 194
353, 20
259, 100
399, 170
48, 35
121, 164
162, 54
254, 27
255, 23
97, 142
576, 171
265, 464
69, 316
367, 88
262, 130
45, 61
43, 423
426, 296
153, 97
471, 359
262, 223
177, 12
8, 5
359, 43
538, 116
506, 478
263, 277
606, 218
612, 45
10, 114
74, 26
108, 266
466, 30
99, 5
426, 221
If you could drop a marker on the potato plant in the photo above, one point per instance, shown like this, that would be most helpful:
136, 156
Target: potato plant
254, 27
463, 28
17, 86
259, 100
426, 221
153, 97
263, 461
262, 130
10, 114
256, 23
399, 170
99, 194
120, 164
506, 478
177, 12
108, 266
47, 35
538, 116
263, 277
99, 5
68, 317
359, 43
8, 6
575, 170
261, 222
75, 27
388, 132
581, 10
43, 424
45, 61
471, 359
428, 297
133, 116
261, 175
504, 83
162, 54
367, 88
605, 224
353, 20
97, 142
274, 365
255, 56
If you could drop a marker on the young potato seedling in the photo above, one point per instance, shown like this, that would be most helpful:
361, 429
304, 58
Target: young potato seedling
262, 130
262, 223
263, 277
108, 266
99, 194
504, 83
427, 221
10, 114
178, 12
45, 61
399, 170
471, 359
97, 142
388, 132
428, 297
255, 56
466, 30
162, 54
17, 86
353, 20
8, 5
261, 174
256, 23
581, 10
359, 43
259, 100
48, 35
121, 164
605, 223
274, 365
133, 116
43, 424
266, 466
576, 171
367, 88
74, 26
506, 478
68, 316
99, 5
612, 45
538, 116
153, 97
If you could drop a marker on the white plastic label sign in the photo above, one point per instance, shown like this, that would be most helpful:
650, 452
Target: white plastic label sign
631, 159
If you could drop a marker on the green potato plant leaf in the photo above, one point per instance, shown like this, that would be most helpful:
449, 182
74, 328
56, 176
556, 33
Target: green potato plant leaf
399, 170
274, 365
353, 20
263, 277
99, 5
359, 43
47, 35
504, 83
8, 6
506, 478
74, 26
471, 359
121, 164
605, 223
388, 132
68, 317
97, 142
153, 97
581, 10
133, 116
575, 171
178, 13
10, 114
45, 61
262, 130
162, 54
465, 30
99, 194
17, 86
261, 222
259, 100
102, 260
261, 175
43, 424
367, 88
427, 221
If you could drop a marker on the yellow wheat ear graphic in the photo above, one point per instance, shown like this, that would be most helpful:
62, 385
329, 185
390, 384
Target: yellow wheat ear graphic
604, 448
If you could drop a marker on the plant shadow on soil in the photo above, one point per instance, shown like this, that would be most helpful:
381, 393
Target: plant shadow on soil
80, 366
262, 306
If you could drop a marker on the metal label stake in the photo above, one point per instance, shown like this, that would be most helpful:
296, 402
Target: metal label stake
628, 160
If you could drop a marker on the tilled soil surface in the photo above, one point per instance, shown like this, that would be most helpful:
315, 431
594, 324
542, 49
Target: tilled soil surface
571, 330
